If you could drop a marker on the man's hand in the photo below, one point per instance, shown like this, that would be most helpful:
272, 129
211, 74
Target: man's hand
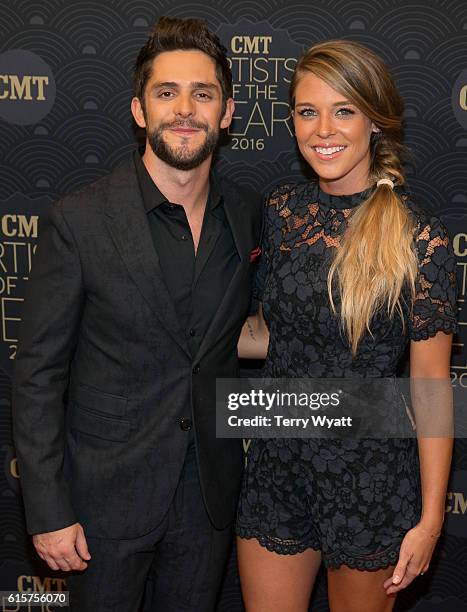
65, 549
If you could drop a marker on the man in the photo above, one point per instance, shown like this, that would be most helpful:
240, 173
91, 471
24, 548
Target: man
138, 293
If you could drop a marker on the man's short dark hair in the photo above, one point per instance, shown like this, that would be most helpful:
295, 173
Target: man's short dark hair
173, 34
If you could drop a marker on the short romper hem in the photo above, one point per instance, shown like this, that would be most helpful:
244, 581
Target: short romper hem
381, 560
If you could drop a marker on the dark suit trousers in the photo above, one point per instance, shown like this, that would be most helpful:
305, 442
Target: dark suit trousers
179, 565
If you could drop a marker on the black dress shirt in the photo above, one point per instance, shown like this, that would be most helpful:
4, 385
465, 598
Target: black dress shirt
196, 283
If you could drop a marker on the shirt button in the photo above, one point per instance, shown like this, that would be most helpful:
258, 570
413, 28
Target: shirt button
192, 332
185, 424
196, 369
171, 206
184, 237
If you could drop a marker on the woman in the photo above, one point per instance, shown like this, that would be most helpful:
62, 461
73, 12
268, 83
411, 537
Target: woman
351, 273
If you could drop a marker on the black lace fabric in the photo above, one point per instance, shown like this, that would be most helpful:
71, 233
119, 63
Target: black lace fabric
352, 499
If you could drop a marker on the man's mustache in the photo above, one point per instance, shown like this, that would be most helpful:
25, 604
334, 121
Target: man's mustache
193, 125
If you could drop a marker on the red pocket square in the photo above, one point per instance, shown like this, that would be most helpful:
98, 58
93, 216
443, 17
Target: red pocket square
255, 253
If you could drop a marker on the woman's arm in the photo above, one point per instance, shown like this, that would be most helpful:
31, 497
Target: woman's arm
432, 401
254, 338
430, 359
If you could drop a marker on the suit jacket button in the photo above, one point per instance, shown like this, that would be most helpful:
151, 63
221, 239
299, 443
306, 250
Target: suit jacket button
196, 369
185, 424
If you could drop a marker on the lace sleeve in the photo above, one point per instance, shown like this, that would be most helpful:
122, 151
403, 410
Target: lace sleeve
273, 204
434, 307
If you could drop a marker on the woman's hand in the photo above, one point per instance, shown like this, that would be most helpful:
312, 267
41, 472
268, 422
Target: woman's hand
414, 557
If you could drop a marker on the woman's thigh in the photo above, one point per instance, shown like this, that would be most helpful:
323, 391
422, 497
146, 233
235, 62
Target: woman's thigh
272, 582
352, 590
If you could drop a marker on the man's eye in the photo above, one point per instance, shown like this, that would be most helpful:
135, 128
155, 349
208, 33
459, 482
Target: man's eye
166, 94
203, 95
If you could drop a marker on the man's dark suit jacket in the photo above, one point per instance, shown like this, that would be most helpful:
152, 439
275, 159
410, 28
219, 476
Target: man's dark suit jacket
103, 374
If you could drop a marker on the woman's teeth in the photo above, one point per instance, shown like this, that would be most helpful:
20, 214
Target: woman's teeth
328, 150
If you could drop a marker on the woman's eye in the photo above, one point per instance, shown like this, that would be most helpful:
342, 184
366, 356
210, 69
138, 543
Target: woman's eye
307, 112
345, 112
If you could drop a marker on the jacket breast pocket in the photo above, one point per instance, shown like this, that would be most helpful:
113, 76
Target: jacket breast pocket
99, 414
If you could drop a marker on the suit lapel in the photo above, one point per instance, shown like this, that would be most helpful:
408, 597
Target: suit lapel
127, 222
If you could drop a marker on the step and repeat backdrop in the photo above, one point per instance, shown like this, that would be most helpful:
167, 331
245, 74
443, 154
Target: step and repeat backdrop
65, 90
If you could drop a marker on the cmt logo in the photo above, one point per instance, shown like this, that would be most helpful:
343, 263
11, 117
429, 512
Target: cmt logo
27, 87
456, 503
459, 244
255, 45
36, 584
20, 226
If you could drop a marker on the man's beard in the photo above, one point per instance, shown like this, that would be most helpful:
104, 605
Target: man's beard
181, 157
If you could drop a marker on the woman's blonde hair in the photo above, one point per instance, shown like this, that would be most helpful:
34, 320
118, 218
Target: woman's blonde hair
376, 256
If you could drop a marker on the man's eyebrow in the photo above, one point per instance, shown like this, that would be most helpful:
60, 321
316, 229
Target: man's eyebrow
201, 85
164, 84
193, 85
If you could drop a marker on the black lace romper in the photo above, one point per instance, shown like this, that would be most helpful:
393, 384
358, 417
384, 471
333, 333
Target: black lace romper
351, 499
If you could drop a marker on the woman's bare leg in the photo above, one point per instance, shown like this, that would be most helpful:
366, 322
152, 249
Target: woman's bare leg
276, 583
351, 590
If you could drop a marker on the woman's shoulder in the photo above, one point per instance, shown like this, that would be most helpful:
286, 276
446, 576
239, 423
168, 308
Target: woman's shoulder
285, 198
432, 242
428, 224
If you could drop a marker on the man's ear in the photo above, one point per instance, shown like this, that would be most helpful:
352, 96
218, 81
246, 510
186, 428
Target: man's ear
229, 111
137, 112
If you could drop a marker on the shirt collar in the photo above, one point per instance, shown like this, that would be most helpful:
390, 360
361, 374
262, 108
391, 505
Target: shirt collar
215, 193
152, 197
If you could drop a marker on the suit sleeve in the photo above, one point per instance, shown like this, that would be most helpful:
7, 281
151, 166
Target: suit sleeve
50, 321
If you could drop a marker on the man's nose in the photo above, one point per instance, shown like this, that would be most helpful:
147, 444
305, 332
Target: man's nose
184, 105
